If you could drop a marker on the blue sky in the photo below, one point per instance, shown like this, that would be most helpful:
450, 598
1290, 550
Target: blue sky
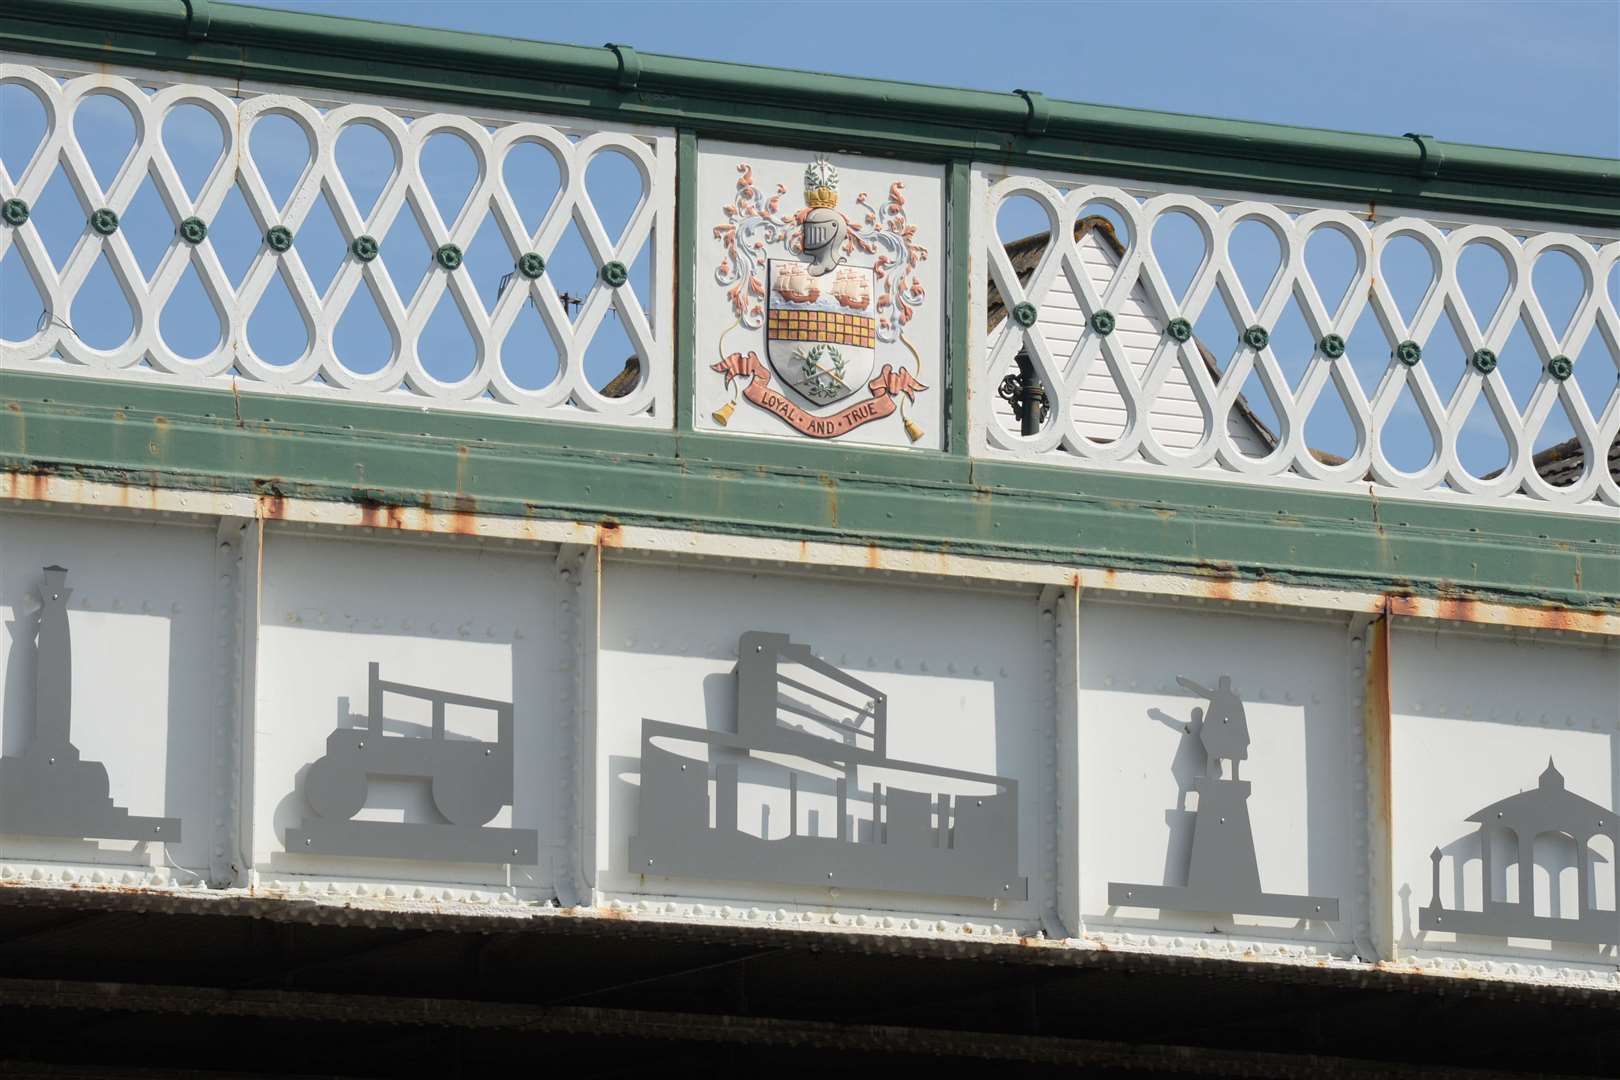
1538, 76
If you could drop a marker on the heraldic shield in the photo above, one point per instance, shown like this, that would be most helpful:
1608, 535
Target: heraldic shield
820, 331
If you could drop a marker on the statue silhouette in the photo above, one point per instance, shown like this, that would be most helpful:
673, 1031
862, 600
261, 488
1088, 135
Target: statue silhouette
1226, 727
1222, 872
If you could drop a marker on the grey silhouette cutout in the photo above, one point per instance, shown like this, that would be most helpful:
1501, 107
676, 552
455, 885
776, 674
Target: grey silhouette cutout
48, 790
471, 780
920, 841
1548, 808
1222, 872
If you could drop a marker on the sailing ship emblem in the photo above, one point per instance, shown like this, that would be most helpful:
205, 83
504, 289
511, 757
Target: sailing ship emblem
832, 296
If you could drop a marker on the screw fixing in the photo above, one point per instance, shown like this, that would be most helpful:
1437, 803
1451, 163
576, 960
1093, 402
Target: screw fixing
280, 238
104, 221
615, 274
1332, 346
365, 248
194, 230
1179, 330
1024, 314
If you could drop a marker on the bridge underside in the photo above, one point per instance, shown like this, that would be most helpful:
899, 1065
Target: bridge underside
100, 985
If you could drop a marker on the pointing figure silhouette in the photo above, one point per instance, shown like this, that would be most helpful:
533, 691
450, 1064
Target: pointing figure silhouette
1226, 728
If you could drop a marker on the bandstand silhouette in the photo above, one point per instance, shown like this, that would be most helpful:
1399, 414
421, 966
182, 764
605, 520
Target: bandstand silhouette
1548, 808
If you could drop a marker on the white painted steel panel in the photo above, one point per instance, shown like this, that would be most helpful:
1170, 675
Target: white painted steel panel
1135, 754
150, 654
968, 674
1476, 718
982, 674
452, 618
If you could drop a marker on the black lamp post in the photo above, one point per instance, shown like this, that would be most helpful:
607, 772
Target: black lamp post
1024, 392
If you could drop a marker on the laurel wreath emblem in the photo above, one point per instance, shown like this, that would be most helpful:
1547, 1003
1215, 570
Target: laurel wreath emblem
823, 371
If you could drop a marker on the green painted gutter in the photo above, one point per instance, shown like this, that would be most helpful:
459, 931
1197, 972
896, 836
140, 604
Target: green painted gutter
261, 444
802, 108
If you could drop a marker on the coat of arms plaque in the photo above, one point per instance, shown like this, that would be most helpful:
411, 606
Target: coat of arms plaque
834, 295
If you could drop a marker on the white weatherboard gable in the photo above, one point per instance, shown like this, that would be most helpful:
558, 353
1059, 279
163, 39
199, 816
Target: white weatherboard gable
146, 670
718, 332
1292, 677
467, 621
967, 677
1175, 416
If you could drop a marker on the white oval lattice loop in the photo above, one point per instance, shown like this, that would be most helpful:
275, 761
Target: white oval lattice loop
401, 377
1175, 413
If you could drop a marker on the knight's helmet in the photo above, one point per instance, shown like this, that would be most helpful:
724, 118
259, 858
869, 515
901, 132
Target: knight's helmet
825, 229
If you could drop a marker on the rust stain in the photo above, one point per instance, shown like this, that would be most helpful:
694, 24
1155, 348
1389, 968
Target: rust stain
609, 534
464, 511
1377, 727
272, 507
377, 514
461, 469
874, 557
804, 551
831, 487
1466, 609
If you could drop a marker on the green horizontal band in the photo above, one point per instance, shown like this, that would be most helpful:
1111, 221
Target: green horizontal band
190, 438
803, 108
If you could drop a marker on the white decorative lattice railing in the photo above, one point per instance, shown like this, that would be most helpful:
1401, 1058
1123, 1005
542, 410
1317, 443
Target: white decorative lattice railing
409, 252
1198, 379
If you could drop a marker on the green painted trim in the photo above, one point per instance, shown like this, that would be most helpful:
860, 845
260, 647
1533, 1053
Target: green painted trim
212, 440
812, 110
958, 386
686, 239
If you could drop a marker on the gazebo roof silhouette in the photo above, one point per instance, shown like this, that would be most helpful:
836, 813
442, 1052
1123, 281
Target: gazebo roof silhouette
1547, 807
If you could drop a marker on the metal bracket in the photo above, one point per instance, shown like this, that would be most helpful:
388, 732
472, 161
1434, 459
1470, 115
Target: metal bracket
198, 19
1428, 164
629, 65
1039, 111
